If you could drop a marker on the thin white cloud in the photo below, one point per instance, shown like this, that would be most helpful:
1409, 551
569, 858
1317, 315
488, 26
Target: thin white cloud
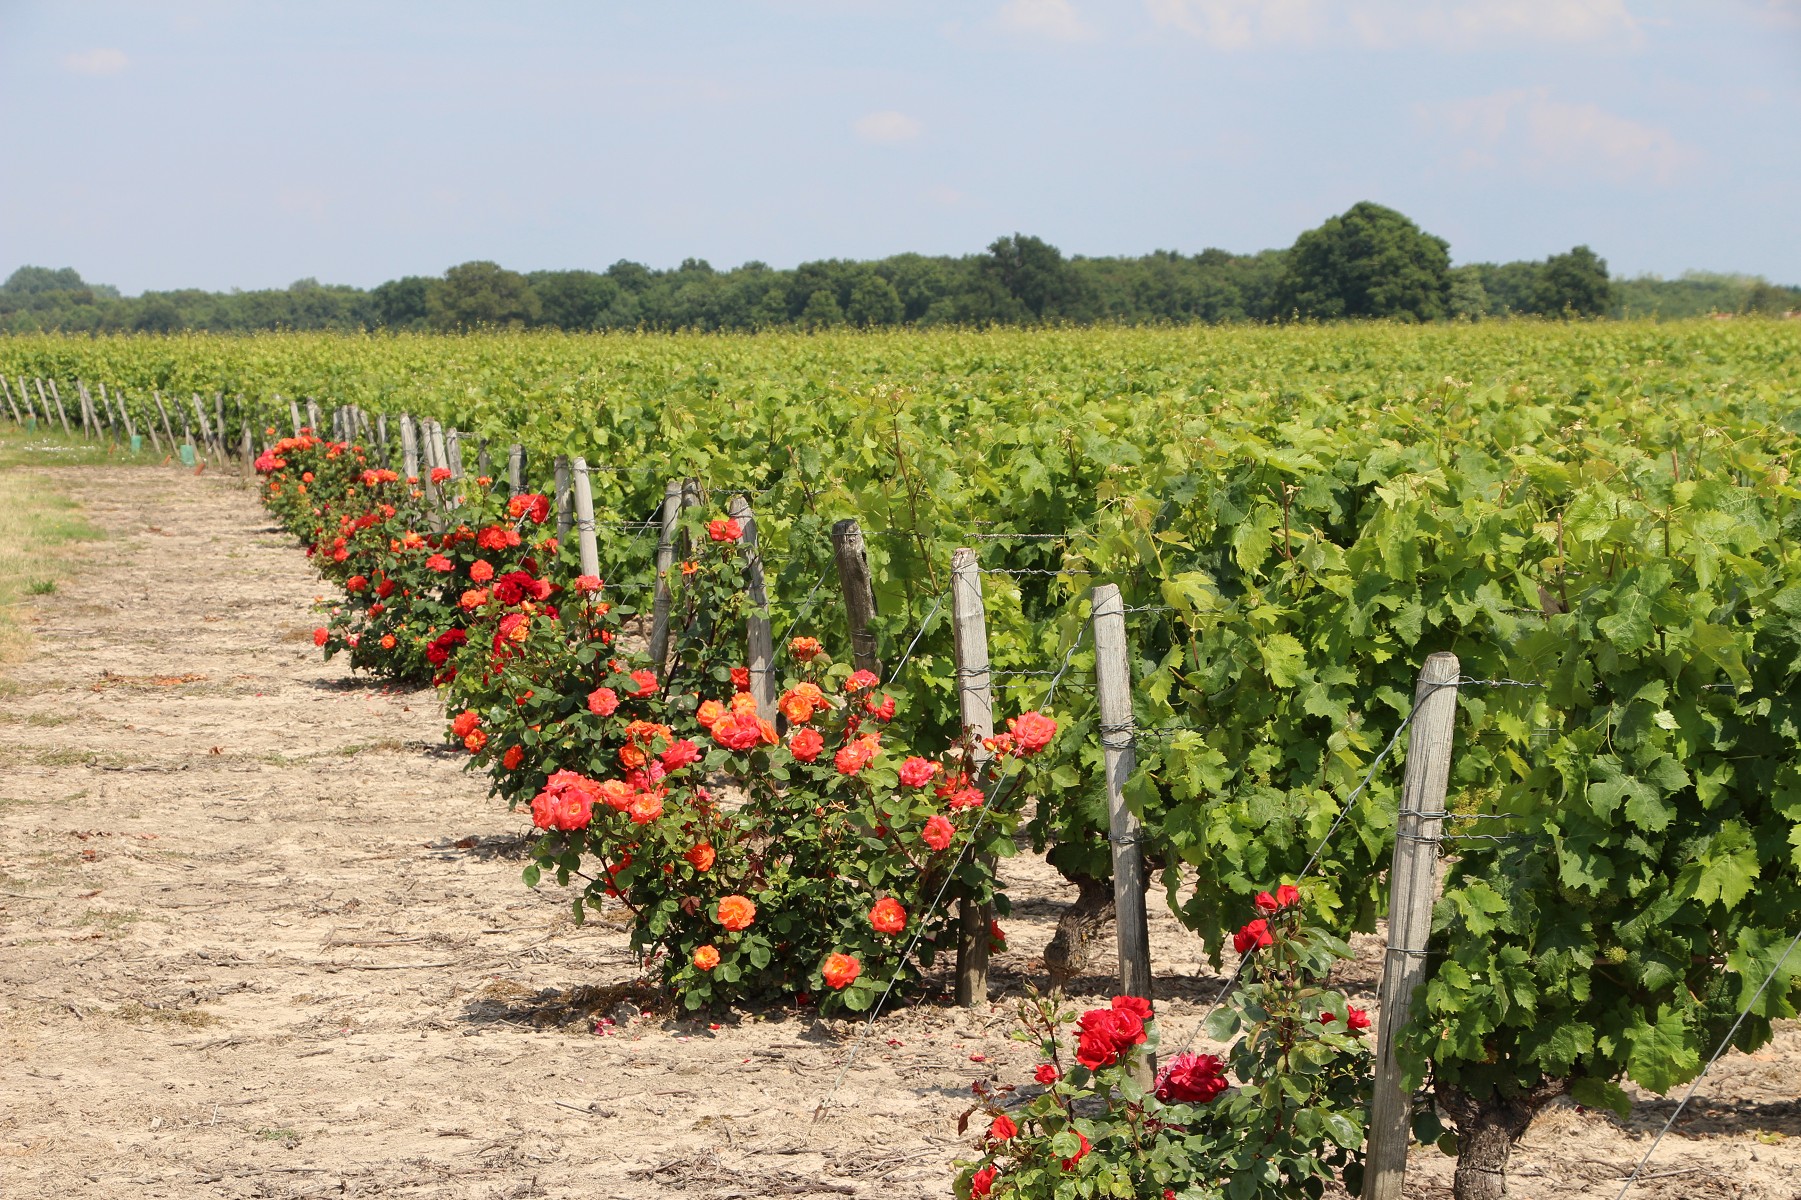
1528, 129
99, 61
887, 127
1054, 19
1386, 24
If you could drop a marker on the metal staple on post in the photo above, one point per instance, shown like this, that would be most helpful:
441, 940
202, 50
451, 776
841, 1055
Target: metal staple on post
1411, 883
975, 702
1113, 685
759, 637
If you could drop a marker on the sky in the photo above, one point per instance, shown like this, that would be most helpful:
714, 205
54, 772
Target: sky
222, 144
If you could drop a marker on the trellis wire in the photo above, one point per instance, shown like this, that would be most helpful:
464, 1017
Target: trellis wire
875, 1010
936, 605
805, 606
1725, 1043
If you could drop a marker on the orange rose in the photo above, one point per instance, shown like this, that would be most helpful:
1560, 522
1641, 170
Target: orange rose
706, 957
708, 716
475, 741
888, 916
841, 970
701, 856
736, 913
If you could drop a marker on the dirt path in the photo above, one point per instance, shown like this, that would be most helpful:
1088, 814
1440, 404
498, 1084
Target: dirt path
260, 937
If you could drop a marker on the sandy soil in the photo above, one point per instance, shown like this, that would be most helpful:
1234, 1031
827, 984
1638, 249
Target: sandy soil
263, 938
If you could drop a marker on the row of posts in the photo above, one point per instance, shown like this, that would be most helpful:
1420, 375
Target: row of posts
100, 415
1413, 879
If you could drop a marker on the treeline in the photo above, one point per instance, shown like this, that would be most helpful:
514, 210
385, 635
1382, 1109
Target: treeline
1369, 262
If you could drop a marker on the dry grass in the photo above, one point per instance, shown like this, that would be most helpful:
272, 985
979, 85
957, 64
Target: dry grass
41, 529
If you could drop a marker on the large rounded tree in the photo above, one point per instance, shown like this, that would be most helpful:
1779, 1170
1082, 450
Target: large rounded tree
1370, 262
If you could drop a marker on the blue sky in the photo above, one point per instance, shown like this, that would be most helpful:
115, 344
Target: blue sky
221, 144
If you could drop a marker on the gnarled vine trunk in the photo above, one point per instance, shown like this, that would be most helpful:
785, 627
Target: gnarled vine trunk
1487, 1128
1068, 952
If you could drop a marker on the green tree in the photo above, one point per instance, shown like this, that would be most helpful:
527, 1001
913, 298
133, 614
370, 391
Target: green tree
401, 303
1575, 283
573, 299
873, 301
1468, 297
1370, 262
481, 293
822, 311
1034, 274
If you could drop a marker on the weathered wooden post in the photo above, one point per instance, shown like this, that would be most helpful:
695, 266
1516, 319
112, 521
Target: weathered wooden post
1113, 685
975, 700
84, 405
17, 420
381, 438
453, 458
584, 518
163, 412
219, 422
515, 469
1412, 884
859, 593
294, 414
564, 496
484, 465
61, 413
409, 449
668, 518
312, 415
759, 637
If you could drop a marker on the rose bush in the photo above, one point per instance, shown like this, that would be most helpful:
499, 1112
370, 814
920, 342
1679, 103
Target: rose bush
1292, 1123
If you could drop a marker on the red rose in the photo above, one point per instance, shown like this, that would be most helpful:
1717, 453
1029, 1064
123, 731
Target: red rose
1069, 1164
724, 529
512, 758
1356, 1020
1191, 1079
982, 1182
805, 744
1032, 731
938, 832
1003, 1129
1138, 1006
741, 678
1253, 936
888, 916
1284, 896
917, 772
587, 583
680, 753
440, 474
603, 702
481, 570
860, 680
355, 583
646, 681
320, 636
1046, 1074
475, 741
464, 723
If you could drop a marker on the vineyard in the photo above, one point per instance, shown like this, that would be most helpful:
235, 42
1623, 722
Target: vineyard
786, 645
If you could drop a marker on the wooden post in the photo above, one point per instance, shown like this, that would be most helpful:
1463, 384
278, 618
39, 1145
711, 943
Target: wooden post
1412, 884
206, 433
437, 455
381, 437
484, 465
1113, 685
219, 421
409, 448
131, 429
759, 637
659, 608
168, 429
246, 452
584, 518
565, 498
25, 396
312, 415
84, 403
17, 420
294, 415
859, 593
453, 458
515, 469
61, 413
975, 700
